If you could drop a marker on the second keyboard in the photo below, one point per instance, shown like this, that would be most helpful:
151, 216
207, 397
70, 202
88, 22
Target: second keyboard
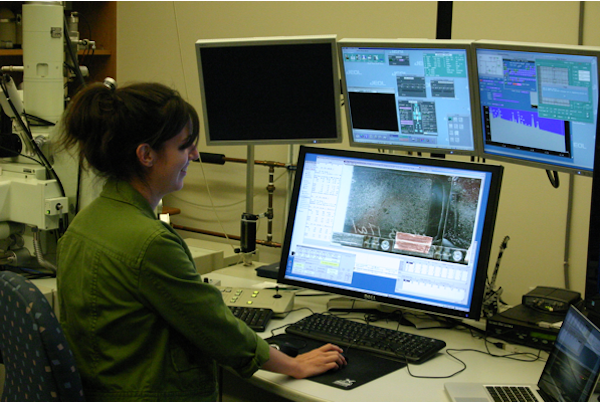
385, 342
255, 318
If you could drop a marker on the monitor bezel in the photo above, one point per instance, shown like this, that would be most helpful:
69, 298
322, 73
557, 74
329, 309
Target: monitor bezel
408, 43
269, 41
478, 289
541, 48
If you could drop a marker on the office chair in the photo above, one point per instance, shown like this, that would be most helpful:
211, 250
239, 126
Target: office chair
38, 360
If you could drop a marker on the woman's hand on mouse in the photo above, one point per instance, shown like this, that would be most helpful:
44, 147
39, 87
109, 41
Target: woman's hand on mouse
322, 359
317, 361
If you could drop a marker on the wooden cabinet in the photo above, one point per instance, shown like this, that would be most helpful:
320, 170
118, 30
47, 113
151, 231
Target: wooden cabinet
97, 22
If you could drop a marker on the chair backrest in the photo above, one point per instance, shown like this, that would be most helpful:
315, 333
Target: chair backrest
38, 360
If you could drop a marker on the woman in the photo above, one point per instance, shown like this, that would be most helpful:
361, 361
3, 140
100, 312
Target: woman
141, 323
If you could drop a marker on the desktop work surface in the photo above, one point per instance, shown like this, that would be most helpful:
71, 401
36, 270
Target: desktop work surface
417, 382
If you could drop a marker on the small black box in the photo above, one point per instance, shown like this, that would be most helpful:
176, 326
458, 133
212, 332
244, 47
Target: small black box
552, 300
520, 325
268, 271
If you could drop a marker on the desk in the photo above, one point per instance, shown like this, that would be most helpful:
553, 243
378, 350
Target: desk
397, 386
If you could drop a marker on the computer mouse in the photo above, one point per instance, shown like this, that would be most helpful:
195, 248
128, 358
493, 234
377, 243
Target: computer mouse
286, 347
347, 361
338, 368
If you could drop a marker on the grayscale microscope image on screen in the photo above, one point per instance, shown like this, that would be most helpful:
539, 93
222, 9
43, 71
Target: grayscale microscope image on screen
391, 229
410, 213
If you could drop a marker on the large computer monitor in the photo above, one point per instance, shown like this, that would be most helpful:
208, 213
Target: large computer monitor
271, 90
539, 104
398, 230
410, 95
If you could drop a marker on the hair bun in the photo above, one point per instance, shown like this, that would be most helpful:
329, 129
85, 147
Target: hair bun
110, 83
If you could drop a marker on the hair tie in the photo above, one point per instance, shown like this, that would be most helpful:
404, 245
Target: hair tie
110, 83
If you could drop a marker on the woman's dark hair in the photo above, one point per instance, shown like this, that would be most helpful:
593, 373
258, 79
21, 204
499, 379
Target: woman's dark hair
107, 125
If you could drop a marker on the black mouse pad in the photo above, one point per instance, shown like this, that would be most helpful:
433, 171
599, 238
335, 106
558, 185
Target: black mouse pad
362, 367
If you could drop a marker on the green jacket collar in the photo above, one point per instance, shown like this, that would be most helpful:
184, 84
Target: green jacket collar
122, 191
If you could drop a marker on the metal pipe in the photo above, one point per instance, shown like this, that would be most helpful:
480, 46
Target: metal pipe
11, 69
269, 214
581, 19
221, 159
38, 251
223, 235
570, 195
568, 229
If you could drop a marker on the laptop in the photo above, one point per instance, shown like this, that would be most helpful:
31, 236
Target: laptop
570, 374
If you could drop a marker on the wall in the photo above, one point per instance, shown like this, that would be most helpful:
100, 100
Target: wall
155, 41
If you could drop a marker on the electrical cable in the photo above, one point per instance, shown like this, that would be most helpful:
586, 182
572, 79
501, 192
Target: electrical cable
212, 204
180, 51
32, 142
34, 274
368, 318
553, 177
73, 57
77, 70
38, 121
23, 156
510, 356
222, 206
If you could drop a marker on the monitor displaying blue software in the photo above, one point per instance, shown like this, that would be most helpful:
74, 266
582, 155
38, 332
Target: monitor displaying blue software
399, 230
411, 95
539, 104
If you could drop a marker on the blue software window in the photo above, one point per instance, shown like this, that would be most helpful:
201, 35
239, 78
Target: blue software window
409, 96
539, 107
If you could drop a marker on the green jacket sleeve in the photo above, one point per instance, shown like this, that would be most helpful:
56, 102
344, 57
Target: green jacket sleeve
172, 286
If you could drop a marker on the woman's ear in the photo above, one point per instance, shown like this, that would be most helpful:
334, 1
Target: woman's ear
146, 155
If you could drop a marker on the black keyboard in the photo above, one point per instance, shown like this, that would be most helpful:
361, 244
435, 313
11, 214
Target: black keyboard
385, 342
256, 318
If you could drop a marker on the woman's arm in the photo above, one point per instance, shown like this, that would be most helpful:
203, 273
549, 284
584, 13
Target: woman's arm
317, 361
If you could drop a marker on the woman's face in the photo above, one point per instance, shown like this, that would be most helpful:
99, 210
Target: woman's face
168, 172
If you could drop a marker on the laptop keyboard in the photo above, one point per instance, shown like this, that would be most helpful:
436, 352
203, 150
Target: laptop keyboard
511, 394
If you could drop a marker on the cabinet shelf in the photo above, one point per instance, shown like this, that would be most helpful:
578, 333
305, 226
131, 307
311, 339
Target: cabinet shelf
99, 23
11, 52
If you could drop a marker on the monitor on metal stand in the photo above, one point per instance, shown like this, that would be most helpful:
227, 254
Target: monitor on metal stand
268, 91
410, 95
539, 104
395, 230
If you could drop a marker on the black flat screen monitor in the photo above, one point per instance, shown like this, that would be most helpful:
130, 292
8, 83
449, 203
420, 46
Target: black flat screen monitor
538, 104
409, 95
272, 90
398, 230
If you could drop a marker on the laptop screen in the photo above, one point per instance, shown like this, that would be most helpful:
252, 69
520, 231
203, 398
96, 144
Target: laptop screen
573, 366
